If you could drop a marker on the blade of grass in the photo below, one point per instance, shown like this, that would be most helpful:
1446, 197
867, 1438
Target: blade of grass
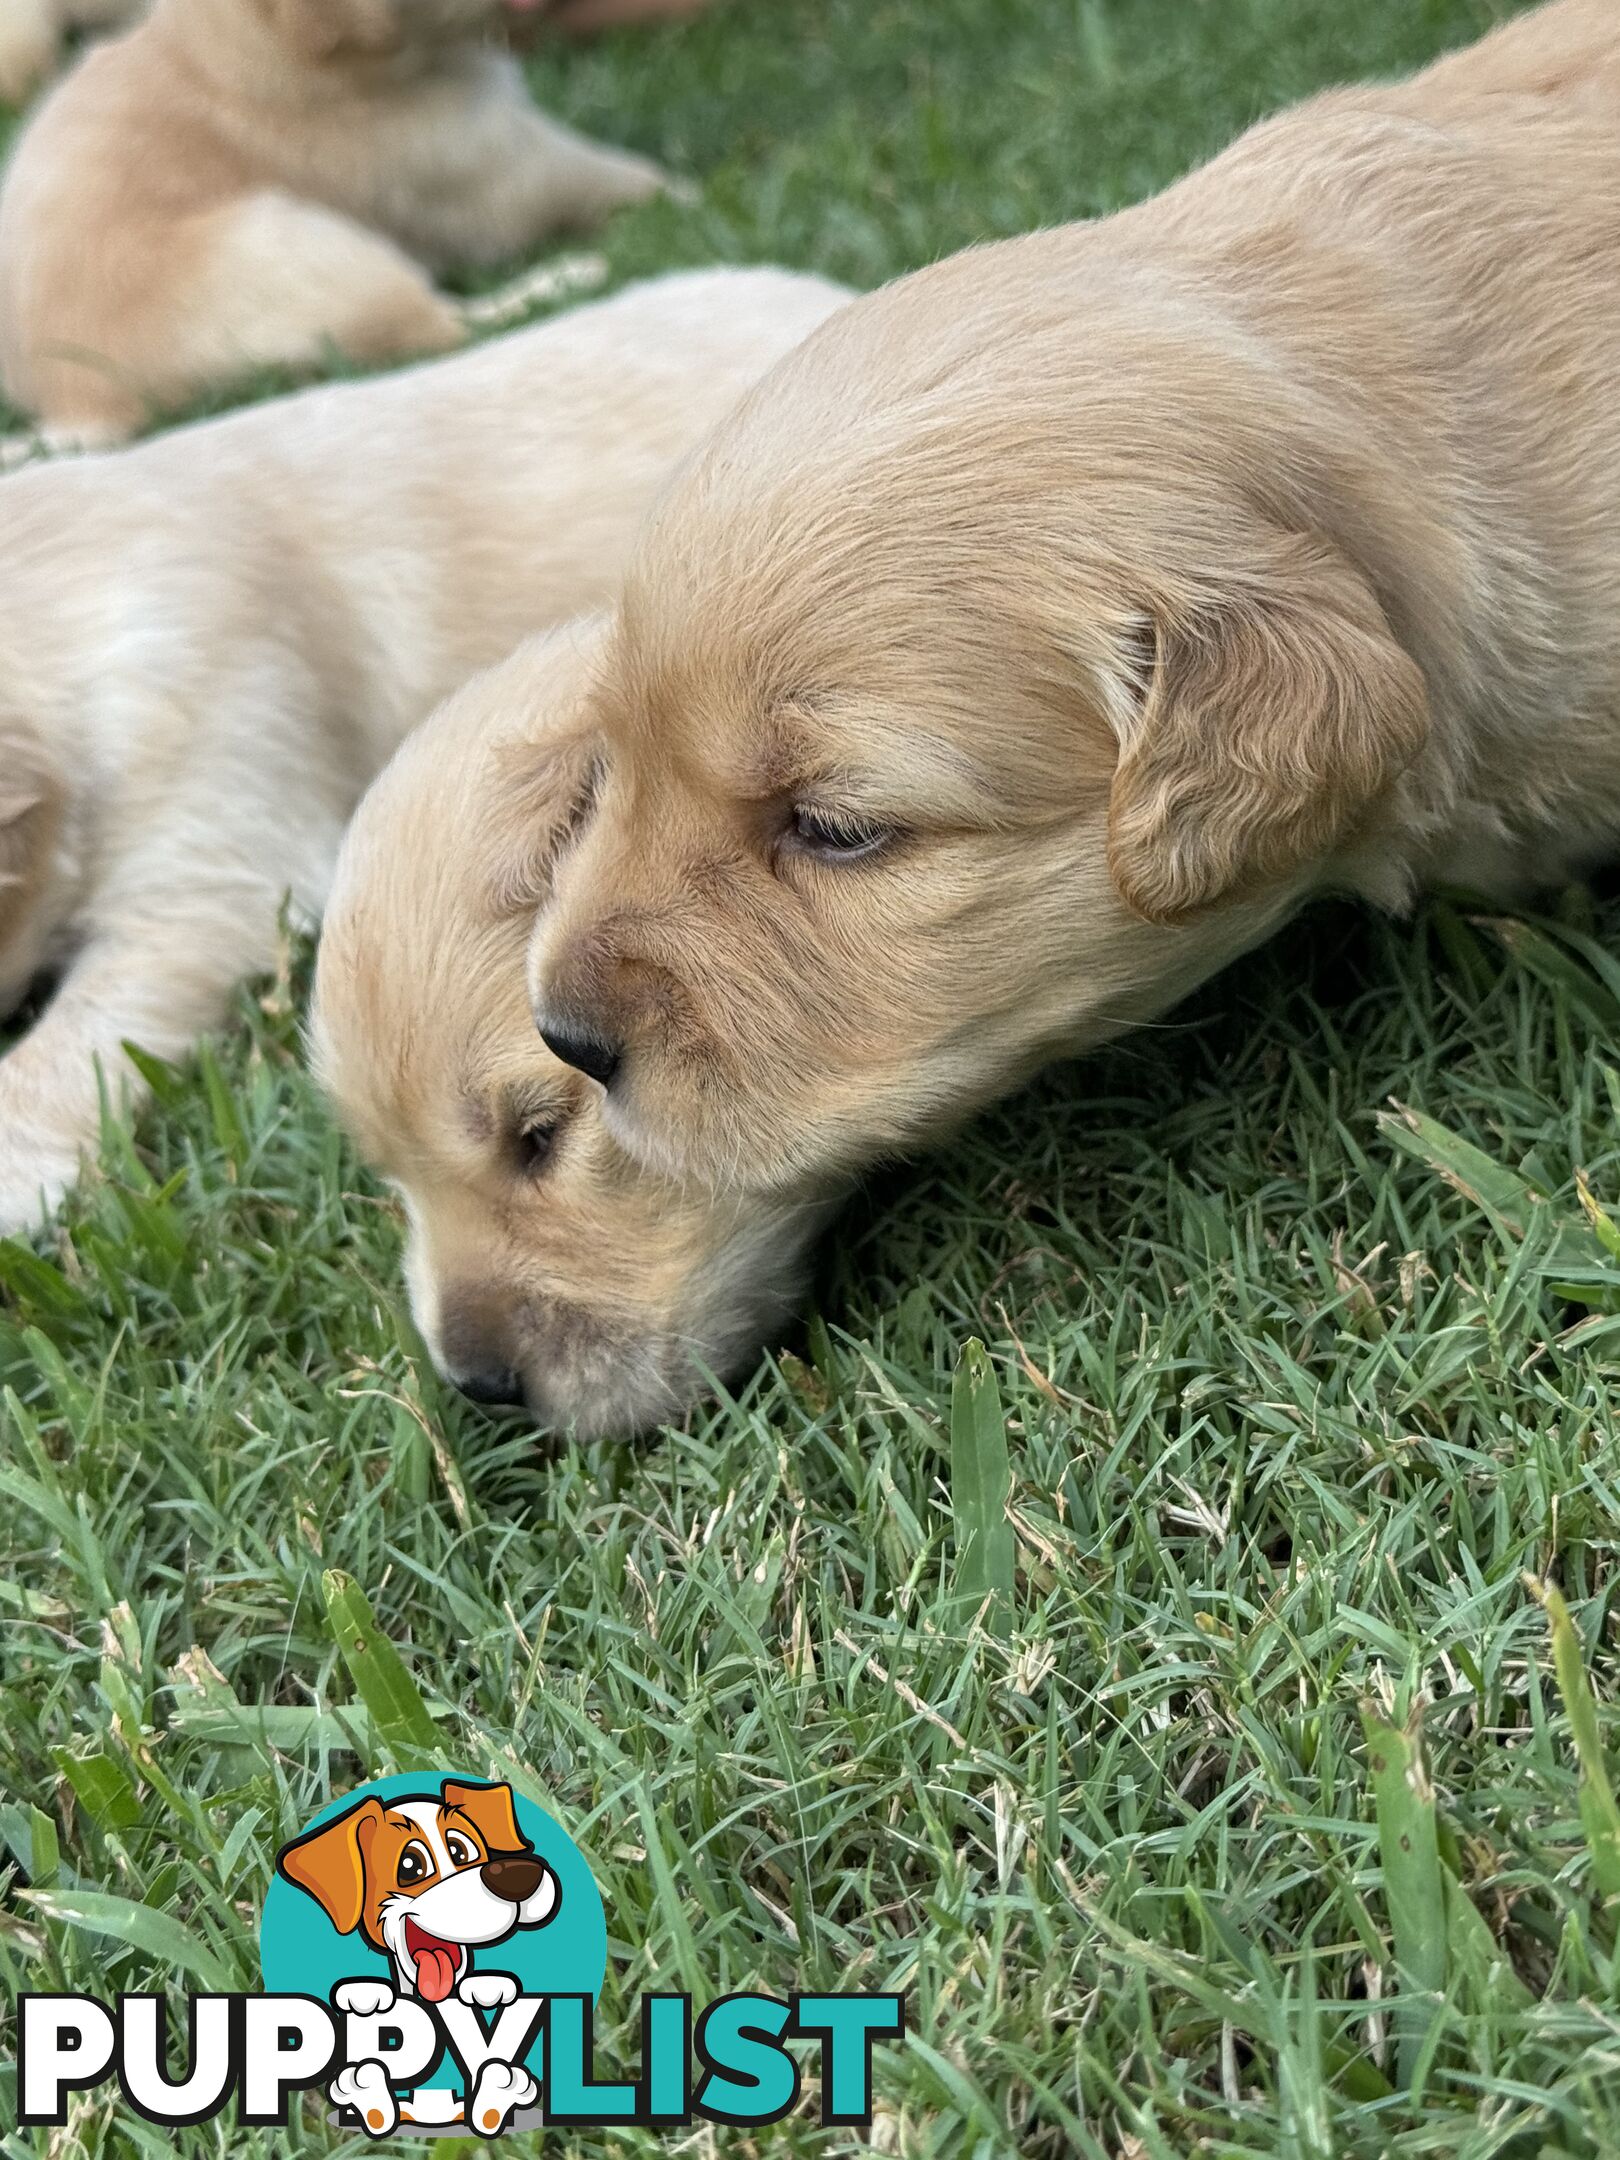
1414, 1882
981, 1485
1600, 1816
399, 1716
102, 1787
1509, 1199
159, 1934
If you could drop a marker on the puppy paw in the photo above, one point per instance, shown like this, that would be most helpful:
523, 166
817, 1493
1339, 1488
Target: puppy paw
501, 2090
363, 1998
365, 2089
560, 279
488, 1991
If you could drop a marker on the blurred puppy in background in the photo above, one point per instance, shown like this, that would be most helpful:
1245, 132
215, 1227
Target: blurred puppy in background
32, 33
545, 1267
1058, 619
210, 643
248, 183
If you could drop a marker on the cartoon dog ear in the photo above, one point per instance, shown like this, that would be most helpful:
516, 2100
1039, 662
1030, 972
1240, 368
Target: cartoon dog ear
330, 1864
1269, 721
490, 1810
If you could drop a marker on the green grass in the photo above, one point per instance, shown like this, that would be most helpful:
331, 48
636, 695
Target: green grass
1288, 1417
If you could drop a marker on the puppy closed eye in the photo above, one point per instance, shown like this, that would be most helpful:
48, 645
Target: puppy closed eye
837, 836
534, 1144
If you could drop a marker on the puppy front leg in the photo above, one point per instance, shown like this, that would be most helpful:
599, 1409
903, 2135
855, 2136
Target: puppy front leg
528, 179
581, 183
563, 279
160, 993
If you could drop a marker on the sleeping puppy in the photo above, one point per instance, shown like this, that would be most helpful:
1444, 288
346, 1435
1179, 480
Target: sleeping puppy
1060, 618
209, 644
544, 1266
240, 184
31, 34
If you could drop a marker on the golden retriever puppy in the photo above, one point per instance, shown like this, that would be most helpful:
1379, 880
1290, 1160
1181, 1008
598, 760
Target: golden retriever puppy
248, 183
1059, 618
544, 1265
31, 34
210, 643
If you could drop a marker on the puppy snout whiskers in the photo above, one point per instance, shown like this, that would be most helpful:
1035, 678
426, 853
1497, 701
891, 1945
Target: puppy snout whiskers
589, 1053
512, 1876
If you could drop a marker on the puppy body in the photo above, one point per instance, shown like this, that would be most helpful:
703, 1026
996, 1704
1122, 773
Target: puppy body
209, 643
544, 1265
1060, 617
247, 183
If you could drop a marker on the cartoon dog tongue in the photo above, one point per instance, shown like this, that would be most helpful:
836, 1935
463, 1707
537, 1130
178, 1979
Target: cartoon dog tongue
436, 1962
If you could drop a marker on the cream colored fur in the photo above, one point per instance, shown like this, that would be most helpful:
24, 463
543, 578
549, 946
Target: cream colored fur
210, 643
544, 1265
32, 31
239, 184
1060, 618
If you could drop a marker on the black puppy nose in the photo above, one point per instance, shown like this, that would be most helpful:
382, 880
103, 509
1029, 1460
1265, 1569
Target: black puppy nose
513, 1876
587, 1053
499, 1388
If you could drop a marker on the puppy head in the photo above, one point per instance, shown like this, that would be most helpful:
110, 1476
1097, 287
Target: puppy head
337, 30
31, 807
426, 1879
954, 718
544, 1266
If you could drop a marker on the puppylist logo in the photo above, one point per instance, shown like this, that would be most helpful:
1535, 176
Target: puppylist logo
433, 1950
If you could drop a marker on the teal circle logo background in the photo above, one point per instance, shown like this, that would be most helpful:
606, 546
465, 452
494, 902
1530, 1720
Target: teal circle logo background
302, 1953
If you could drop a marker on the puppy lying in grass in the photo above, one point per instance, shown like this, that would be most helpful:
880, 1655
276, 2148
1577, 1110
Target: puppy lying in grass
32, 31
544, 1265
240, 184
1059, 619
212, 642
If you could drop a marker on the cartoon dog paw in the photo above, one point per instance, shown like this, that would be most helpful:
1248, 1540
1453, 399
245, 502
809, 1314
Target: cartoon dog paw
365, 2088
501, 2090
488, 1991
363, 1998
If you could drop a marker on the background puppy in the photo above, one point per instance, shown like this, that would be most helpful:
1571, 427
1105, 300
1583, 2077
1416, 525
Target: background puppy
246, 183
544, 1265
31, 34
1045, 631
209, 644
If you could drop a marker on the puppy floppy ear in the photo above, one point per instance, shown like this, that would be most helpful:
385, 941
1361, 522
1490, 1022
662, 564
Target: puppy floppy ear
490, 1810
330, 1864
548, 791
1271, 719
30, 806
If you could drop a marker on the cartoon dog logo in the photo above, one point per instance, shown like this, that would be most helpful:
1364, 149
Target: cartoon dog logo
429, 1880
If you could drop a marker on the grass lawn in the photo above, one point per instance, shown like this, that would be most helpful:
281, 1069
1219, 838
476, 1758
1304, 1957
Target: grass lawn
1290, 1416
